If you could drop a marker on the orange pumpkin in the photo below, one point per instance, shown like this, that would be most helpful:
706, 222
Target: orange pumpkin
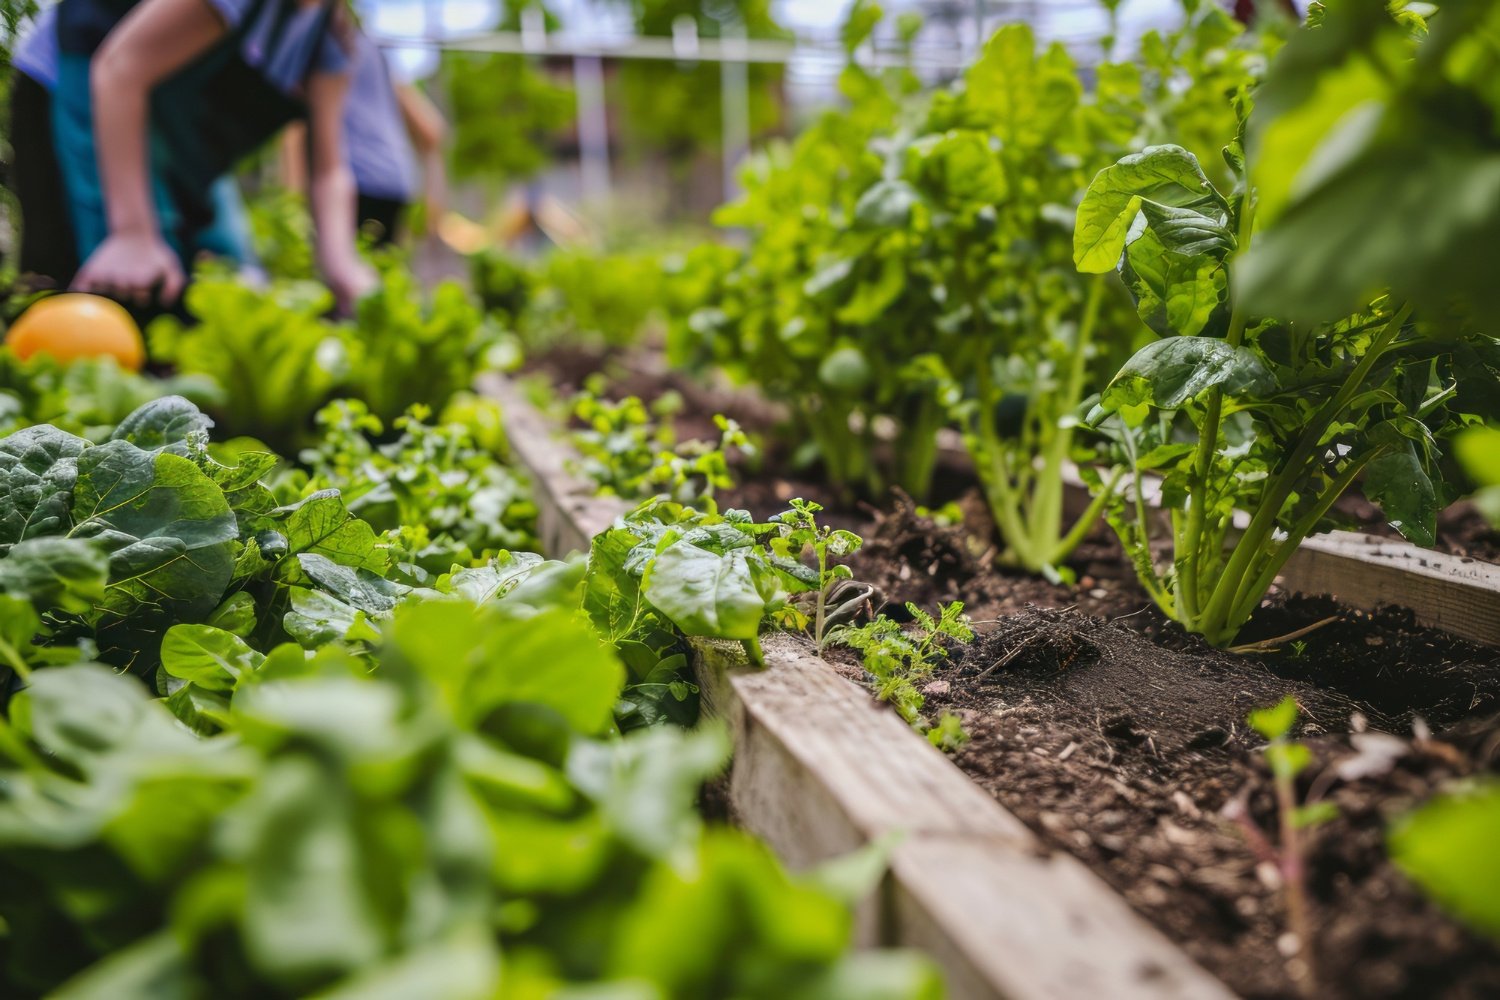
75, 325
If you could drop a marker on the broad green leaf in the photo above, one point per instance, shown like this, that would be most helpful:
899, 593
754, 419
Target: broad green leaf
465, 965
167, 423
1276, 722
358, 588
1448, 848
153, 966
845, 369
1167, 175
84, 711
307, 913
707, 594
209, 657
1478, 450
484, 659
1170, 373
1397, 482
322, 525
38, 469
495, 579
168, 530
68, 574
237, 614
647, 784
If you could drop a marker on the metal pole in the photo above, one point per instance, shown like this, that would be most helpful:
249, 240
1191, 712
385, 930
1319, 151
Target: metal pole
593, 127
734, 85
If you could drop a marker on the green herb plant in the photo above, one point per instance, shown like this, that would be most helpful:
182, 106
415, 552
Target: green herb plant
1446, 846
1286, 759
797, 534
899, 658
629, 450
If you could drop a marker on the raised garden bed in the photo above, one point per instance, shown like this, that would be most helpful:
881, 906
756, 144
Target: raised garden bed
1119, 742
820, 771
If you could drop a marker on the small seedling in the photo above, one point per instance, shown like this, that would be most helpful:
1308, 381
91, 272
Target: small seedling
898, 658
799, 532
1286, 759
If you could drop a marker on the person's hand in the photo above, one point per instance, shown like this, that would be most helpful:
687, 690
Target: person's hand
350, 281
131, 267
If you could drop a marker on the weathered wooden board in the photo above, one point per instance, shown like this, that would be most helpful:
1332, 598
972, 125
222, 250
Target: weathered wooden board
819, 771
1456, 594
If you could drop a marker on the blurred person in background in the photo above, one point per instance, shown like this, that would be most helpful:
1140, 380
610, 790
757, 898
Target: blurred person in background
156, 100
48, 259
394, 137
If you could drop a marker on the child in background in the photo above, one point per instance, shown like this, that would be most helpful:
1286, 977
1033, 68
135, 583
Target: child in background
388, 126
157, 99
47, 257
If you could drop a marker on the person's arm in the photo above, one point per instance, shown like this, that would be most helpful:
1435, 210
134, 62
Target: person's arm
331, 191
292, 156
428, 131
152, 42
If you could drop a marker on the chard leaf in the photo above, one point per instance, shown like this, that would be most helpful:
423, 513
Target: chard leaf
169, 532
169, 423
1169, 373
1167, 175
38, 469
1176, 294
707, 594
496, 579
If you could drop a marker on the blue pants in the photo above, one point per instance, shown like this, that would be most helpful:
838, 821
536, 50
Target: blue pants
226, 235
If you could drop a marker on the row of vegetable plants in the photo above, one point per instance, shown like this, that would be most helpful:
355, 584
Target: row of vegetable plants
1146, 277
318, 724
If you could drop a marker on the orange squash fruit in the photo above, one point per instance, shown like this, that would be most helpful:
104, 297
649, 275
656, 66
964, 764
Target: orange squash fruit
76, 325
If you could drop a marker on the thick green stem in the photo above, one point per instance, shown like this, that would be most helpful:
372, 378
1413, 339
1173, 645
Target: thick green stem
13, 658
1308, 450
1046, 518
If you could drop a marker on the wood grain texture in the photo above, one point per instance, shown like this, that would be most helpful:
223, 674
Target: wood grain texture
1456, 594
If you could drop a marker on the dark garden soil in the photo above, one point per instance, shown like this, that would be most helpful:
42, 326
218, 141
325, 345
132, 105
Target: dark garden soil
1119, 738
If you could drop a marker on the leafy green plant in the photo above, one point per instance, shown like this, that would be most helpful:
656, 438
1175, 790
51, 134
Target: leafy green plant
1238, 411
1478, 451
1377, 105
438, 496
630, 451
1447, 847
1286, 759
899, 658
275, 358
88, 396
406, 350
797, 533
405, 818
583, 296
281, 231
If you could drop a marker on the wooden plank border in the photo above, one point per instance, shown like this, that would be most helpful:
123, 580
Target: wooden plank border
821, 770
